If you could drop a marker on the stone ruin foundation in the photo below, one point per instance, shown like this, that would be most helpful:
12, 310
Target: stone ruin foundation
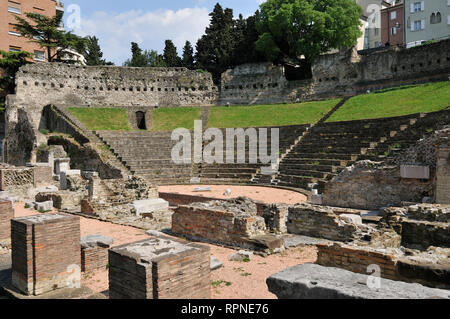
159, 268
45, 252
232, 223
94, 252
6, 214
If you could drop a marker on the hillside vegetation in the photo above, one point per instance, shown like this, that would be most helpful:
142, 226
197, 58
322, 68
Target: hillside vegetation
168, 119
269, 115
102, 119
431, 97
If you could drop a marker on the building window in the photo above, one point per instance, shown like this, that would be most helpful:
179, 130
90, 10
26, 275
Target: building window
393, 15
418, 7
436, 18
393, 31
15, 10
14, 49
418, 25
39, 55
376, 31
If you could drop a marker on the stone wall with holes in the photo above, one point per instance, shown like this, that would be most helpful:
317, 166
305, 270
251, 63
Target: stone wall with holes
253, 84
340, 74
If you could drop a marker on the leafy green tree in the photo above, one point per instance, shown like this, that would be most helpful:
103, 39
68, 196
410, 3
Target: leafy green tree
138, 59
10, 62
215, 48
291, 29
154, 59
171, 57
93, 53
246, 36
47, 32
188, 56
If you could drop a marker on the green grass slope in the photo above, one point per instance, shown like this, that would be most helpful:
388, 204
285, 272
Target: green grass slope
431, 97
102, 119
168, 119
269, 115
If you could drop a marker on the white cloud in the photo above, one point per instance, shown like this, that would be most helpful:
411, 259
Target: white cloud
150, 29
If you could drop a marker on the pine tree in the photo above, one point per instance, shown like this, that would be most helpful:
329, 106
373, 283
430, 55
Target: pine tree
188, 56
215, 48
46, 32
93, 54
138, 59
171, 57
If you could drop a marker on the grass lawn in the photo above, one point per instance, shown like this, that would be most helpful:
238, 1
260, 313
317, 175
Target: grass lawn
168, 119
102, 119
400, 101
269, 115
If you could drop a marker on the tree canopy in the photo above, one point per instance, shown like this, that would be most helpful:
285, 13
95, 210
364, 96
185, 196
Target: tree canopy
10, 62
145, 58
170, 55
188, 60
93, 53
290, 29
47, 32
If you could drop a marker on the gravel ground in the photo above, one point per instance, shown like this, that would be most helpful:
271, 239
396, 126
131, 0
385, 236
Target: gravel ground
236, 280
264, 194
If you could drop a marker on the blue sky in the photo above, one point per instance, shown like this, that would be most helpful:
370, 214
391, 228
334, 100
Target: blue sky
117, 23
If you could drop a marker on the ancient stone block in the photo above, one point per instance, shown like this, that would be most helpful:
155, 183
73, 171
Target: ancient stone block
65, 174
62, 165
44, 206
159, 268
310, 281
45, 252
415, 172
94, 252
150, 206
6, 214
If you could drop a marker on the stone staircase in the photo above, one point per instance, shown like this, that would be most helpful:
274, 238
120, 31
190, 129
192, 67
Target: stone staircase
328, 148
147, 154
247, 172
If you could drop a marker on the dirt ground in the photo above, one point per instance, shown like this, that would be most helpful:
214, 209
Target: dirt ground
235, 280
264, 194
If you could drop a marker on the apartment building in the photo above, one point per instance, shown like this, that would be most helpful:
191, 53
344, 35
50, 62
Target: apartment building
372, 11
393, 24
426, 20
10, 39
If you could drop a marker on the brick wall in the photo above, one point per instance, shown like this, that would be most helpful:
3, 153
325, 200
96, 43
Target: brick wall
322, 222
443, 176
6, 214
159, 268
43, 248
393, 265
93, 258
216, 226
356, 259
